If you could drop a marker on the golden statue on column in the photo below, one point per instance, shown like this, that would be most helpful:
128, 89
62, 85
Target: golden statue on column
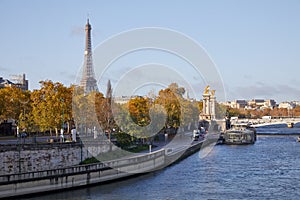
206, 90
209, 100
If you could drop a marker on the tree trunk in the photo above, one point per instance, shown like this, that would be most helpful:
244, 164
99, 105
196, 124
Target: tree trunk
56, 132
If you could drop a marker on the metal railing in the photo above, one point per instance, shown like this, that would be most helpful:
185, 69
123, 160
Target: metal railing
79, 169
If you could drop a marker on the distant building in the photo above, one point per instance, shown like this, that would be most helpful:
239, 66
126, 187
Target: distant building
256, 103
19, 82
239, 104
125, 99
121, 100
251, 105
226, 103
5, 83
287, 105
270, 103
297, 103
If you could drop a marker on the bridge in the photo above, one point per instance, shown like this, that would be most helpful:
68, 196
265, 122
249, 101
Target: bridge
289, 121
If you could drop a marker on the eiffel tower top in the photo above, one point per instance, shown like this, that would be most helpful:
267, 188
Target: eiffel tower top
88, 81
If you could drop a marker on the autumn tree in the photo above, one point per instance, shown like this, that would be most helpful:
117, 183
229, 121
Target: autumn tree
51, 106
170, 101
11, 103
26, 121
176, 89
200, 105
297, 111
104, 113
180, 111
133, 117
139, 110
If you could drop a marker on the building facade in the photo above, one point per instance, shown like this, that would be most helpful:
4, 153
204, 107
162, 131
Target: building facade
253, 104
19, 82
239, 104
287, 105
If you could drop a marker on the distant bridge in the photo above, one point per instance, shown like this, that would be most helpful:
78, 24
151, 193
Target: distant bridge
267, 122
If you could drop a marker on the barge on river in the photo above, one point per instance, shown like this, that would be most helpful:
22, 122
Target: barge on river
240, 133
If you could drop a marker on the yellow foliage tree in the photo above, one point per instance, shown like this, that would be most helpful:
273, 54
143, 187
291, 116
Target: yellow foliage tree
51, 106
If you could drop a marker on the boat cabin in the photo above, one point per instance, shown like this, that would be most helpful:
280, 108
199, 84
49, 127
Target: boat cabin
239, 134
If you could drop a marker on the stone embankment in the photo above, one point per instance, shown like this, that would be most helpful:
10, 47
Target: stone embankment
81, 175
30, 158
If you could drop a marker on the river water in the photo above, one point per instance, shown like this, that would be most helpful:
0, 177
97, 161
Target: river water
269, 169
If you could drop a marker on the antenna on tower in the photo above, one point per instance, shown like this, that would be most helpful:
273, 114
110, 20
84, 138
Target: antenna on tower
88, 17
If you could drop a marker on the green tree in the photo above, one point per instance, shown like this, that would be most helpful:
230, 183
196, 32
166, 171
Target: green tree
233, 112
221, 111
189, 113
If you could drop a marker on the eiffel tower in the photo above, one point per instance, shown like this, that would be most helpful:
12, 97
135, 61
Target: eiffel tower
88, 81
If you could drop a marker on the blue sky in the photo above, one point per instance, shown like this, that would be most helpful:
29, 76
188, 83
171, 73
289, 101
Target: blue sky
254, 43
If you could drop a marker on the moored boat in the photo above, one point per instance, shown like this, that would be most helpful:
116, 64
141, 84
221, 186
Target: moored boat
240, 133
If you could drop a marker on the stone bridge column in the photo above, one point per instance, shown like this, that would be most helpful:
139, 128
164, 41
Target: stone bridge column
213, 107
206, 104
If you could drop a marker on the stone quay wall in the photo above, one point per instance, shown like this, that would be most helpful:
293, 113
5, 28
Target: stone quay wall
26, 183
38, 157
57, 179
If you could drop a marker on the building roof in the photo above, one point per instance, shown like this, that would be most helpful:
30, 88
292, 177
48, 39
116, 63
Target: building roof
22, 83
5, 81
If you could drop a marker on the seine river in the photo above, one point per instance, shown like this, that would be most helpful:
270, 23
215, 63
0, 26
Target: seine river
269, 169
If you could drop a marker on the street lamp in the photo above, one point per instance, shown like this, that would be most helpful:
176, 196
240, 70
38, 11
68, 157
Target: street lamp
24, 113
62, 121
